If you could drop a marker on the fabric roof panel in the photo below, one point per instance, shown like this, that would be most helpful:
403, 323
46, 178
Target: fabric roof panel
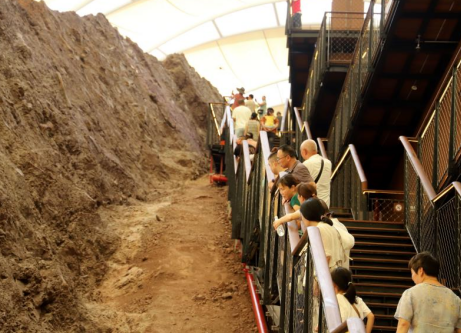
102, 6
202, 34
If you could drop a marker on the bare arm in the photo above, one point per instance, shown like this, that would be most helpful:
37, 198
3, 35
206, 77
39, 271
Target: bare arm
370, 322
287, 218
403, 326
458, 330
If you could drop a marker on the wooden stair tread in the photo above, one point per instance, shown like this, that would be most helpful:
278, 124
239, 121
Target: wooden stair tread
375, 229
381, 277
395, 261
383, 252
345, 220
380, 268
384, 328
378, 293
365, 284
383, 244
383, 316
381, 305
381, 236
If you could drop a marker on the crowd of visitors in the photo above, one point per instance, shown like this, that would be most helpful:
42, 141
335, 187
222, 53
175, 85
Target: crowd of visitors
305, 186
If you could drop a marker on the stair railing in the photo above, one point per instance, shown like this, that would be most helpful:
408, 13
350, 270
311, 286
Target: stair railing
373, 31
215, 115
349, 189
280, 259
338, 35
433, 220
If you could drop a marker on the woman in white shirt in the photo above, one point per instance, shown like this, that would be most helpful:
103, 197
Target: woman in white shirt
313, 211
350, 305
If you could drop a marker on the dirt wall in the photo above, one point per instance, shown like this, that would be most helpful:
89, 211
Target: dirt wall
86, 119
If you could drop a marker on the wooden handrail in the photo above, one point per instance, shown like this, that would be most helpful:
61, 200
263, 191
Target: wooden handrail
322, 149
292, 229
383, 191
215, 120
453, 186
331, 307
301, 244
418, 168
358, 166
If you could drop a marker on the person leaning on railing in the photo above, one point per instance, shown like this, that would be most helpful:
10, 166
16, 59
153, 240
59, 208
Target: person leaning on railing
286, 156
350, 305
313, 215
429, 306
305, 191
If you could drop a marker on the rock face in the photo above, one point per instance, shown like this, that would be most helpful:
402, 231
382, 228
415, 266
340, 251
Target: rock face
86, 119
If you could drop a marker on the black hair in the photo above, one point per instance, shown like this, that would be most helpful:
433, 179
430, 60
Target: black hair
249, 135
271, 110
289, 180
342, 277
272, 156
287, 149
313, 210
307, 190
254, 115
427, 261
251, 95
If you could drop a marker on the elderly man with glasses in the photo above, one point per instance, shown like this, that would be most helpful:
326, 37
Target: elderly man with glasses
286, 157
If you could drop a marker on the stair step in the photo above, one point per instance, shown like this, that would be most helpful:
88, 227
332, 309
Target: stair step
375, 260
352, 229
386, 237
383, 252
377, 328
381, 277
383, 270
345, 221
378, 294
381, 316
380, 285
381, 305
383, 244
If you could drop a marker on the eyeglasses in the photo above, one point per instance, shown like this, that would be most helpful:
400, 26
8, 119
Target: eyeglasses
280, 158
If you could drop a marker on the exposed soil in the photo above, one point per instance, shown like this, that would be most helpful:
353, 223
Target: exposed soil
175, 270
87, 121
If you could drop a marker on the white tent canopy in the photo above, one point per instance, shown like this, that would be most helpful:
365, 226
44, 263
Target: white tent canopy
232, 43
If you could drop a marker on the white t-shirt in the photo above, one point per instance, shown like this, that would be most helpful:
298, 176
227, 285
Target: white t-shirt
332, 244
430, 308
347, 240
241, 114
313, 164
249, 103
347, 310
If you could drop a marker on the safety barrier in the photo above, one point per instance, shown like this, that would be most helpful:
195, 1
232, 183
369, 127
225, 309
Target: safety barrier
335, 45
283, 266
349, 190
433, 220
359, 72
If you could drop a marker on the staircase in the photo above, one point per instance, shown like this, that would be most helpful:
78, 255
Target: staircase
380, 265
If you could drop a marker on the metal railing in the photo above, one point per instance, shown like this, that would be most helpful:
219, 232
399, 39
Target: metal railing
440, 139
349, 190
285, 263
433, 220
367, 47
335, 45
215, 116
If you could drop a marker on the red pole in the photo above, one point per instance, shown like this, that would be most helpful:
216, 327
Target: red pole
257, 308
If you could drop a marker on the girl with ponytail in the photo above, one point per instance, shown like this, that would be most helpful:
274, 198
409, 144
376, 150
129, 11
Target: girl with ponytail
350, 305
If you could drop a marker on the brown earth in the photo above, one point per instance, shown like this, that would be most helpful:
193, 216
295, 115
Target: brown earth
87, 121
175, 270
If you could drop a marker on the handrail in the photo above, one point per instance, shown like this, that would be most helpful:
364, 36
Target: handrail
331, 306
285, 115
440, 90
214, 119
298, 118
264, 145
246, 159
430, 192
292, 228
358, 166
453, 186
308, 130
322, 149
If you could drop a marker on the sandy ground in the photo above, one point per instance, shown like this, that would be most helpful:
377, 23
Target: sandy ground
176, 270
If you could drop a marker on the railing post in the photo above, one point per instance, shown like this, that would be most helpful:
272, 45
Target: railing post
370, 38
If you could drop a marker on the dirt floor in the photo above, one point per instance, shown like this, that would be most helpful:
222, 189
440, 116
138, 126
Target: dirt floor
176, 270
